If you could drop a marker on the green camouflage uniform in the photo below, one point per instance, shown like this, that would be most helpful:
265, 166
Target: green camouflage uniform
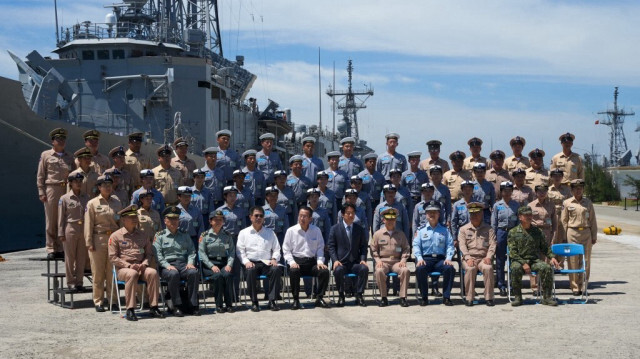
526, 247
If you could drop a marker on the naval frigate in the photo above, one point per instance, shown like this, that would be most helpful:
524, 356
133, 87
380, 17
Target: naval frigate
152, 66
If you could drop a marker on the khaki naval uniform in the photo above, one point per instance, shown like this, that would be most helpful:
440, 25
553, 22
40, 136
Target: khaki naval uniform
544, 217
99, 163
88, 182
127, 248
428, 162
390, 250
557, 195
477, 244
126, 181
570, 165
134, 163
523, 195
149, 223
71, 210
100, 221
579, 222
453, 179
186, 168
534, 178
167, 182
53, 170
496, 177
469, 162
511, 163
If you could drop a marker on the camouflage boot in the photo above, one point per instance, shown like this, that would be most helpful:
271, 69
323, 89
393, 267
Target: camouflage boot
547, 299
518, 298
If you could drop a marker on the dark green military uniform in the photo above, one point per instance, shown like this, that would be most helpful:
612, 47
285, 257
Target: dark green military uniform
217, 249
526, 246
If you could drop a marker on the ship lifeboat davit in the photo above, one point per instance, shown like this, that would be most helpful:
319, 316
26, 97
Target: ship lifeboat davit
612, 230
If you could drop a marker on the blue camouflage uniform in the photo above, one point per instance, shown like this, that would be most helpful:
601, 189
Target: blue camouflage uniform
255, 180
245, 200
503, 219
485, 193
234, 220
351, 166
299, 186
203, 200
328, 202
214, 182
338, 182
287, 199
372, 184
443, 195
386, 162
420, 216
228, 161
277, 220
268, 164
459, 217
413, 181
158, 200
402, 221
311, 167
191, 222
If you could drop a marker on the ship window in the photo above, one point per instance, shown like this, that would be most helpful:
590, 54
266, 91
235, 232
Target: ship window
88, 55
103, 54
117, 54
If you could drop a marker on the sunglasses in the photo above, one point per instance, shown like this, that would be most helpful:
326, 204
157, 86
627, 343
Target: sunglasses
258, 215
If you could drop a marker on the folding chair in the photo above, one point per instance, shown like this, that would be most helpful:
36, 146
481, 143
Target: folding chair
570, 250
117, 283
532, 273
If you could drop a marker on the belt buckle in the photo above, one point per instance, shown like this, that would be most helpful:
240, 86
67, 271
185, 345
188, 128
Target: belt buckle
108, 233
63, 184
79, 222
580, 228
433, 255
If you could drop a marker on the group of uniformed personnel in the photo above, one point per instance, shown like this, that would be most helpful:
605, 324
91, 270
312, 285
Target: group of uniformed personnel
472, 210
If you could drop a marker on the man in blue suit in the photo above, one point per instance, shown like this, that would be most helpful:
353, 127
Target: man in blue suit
348, 250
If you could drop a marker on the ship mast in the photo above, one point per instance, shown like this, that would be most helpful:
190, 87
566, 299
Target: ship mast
618, 155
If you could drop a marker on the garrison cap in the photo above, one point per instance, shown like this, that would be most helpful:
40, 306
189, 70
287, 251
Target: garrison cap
216, 213
434, 144
370, 156
164, 151
516, 140
91, 134
467, 184
136, 136
104, 179
58, 132
271, 189
474, 141
536, 153
309, 139
267, 136
426, 186
129, 211
73, 176
249, 153
322, 174
577, 183
184, 190
518, 171
180, 141
199, 172
279, 173
228, 189
457, 155
83, 152
223, 133
414, 154
211, 149
479, 166
296, 158
147, 193
432, 205
475, 207
147, 173
392, 135
347, 140
525, 210
313, 190
395, 171
117, 151
435, 168
389, 213
497, 154
389, 187
334, 154
556, 171
566, 137
541, 187
350, 192
506, 185
238, 173
171, 212
355, 178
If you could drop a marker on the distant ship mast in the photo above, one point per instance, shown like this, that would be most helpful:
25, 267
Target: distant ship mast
350, 103
619, 155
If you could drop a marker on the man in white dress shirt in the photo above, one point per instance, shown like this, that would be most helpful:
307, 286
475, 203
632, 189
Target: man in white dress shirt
259, 251
303, 249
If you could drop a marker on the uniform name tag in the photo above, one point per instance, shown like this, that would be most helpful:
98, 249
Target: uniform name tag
141, 250
226, 246
398, 249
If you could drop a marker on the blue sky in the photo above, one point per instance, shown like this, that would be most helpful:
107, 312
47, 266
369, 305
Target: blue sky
449, 70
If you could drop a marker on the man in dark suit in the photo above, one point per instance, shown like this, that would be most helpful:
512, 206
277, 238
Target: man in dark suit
348, 250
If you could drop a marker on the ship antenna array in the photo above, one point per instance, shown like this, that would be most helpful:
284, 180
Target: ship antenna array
617, 141
350, 102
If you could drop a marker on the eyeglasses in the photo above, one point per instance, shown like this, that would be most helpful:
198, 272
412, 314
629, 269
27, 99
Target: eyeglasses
258, 215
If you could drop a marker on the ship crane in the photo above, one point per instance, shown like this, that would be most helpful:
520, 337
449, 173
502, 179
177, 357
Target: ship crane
619, 154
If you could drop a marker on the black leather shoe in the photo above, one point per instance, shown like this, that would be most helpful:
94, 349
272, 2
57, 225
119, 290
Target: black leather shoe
80, 289
278, 297
403, 302
503, 292
230, 309
296, 304
72, 289
383, 302
436, 293
156, 313
360, 300
577, 293
468, 303
447, 302
131, 315
255, 307
221, 309
51, 256
321, 303
340, 301
196, 312
395, 292
424, 302
59, 255
273, 306
100, 308
490, 303
177, 312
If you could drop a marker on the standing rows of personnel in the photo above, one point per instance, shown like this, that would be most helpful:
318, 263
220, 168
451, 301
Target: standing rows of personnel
97, 187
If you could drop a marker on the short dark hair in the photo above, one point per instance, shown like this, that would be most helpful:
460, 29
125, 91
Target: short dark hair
256, 208
306, 208
348, 205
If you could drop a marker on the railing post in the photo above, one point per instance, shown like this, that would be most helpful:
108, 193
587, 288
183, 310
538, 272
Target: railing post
625, 203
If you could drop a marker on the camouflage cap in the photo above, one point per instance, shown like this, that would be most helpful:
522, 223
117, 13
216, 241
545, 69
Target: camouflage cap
525, 210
